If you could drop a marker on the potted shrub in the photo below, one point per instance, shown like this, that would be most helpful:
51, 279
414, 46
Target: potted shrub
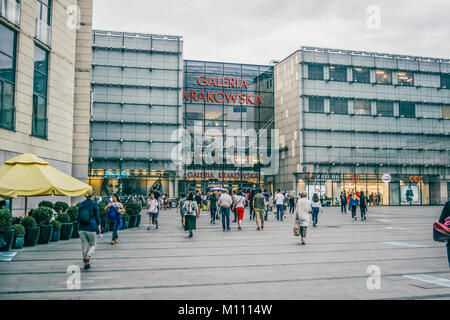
125, 221
19, 236
132, 209
102, 211
66, 227
6, 231
43, 215
32, 231
47, 204
73, 216
56, 230
60, 207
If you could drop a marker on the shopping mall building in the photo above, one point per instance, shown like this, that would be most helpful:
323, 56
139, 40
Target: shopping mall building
320, 120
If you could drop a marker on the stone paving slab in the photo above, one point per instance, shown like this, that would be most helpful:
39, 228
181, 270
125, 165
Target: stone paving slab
248, 264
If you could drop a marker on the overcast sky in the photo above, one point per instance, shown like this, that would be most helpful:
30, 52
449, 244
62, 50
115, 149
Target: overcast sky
256, 31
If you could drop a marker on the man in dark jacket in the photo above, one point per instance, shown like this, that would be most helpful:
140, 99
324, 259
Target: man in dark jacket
88, 233
445, 214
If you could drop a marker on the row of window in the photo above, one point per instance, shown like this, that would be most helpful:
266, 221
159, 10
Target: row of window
8, 52
362, 75
364, 107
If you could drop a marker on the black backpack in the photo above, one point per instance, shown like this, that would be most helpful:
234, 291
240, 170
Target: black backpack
85, 216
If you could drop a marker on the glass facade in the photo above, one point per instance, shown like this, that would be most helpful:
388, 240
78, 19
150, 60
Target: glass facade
391, 117
228, 118
8, 43
136, 112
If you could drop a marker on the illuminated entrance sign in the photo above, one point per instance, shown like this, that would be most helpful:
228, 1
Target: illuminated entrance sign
221, 96
416, 178
219, 175
386, 178
123, 174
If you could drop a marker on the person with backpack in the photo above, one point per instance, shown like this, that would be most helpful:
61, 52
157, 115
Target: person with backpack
114, 216
212, 205
238, 207
180, 207
153, 211
259, 205
191, 214
363, 205
89, 224
445, 220
316, 206
353, 204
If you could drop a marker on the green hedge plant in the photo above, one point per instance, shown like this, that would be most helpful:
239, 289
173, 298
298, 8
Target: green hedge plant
47, 204
56, 225
60, 206
43, 215
29, 222
133, 209
6, 219
73, 213
63, 218
19, 230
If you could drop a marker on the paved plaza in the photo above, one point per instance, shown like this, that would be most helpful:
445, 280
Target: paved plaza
247, 264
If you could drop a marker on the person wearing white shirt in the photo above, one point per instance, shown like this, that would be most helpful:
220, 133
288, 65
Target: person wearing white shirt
152, 204
279, 202
303, 211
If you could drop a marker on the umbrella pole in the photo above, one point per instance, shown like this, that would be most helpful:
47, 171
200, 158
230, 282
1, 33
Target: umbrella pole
26, 203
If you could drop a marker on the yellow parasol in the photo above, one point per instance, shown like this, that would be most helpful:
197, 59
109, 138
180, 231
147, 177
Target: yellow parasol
30, 176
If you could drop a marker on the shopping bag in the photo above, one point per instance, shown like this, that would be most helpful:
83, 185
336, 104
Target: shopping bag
297, 228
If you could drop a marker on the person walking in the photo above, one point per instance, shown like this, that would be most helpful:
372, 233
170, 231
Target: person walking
115, 210
212, 205
225, 203
198, 199
250, 204
260, 206
238, 207
233, 196
363, 205
343, 203
181, 209
316, 208
279, 202
267, 196
191, 215
353, 205
445, 220
88, 226
152, 204
291, 204
303, 210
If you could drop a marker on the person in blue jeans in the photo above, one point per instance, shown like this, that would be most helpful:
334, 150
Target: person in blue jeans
266, 213
316, 207
225, 203
115, 210
279, 202
353, 204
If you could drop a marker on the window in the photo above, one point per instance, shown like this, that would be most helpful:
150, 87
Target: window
407, 109
361, 75
362, 107
383, 76
315, 71
39, 127
445, 80
316, 104
7, 76
43, 10
338, 105
446, 112
405, 78
385, 108
338, 73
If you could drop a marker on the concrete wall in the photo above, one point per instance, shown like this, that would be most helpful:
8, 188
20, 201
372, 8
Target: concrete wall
287, 75
64, 86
